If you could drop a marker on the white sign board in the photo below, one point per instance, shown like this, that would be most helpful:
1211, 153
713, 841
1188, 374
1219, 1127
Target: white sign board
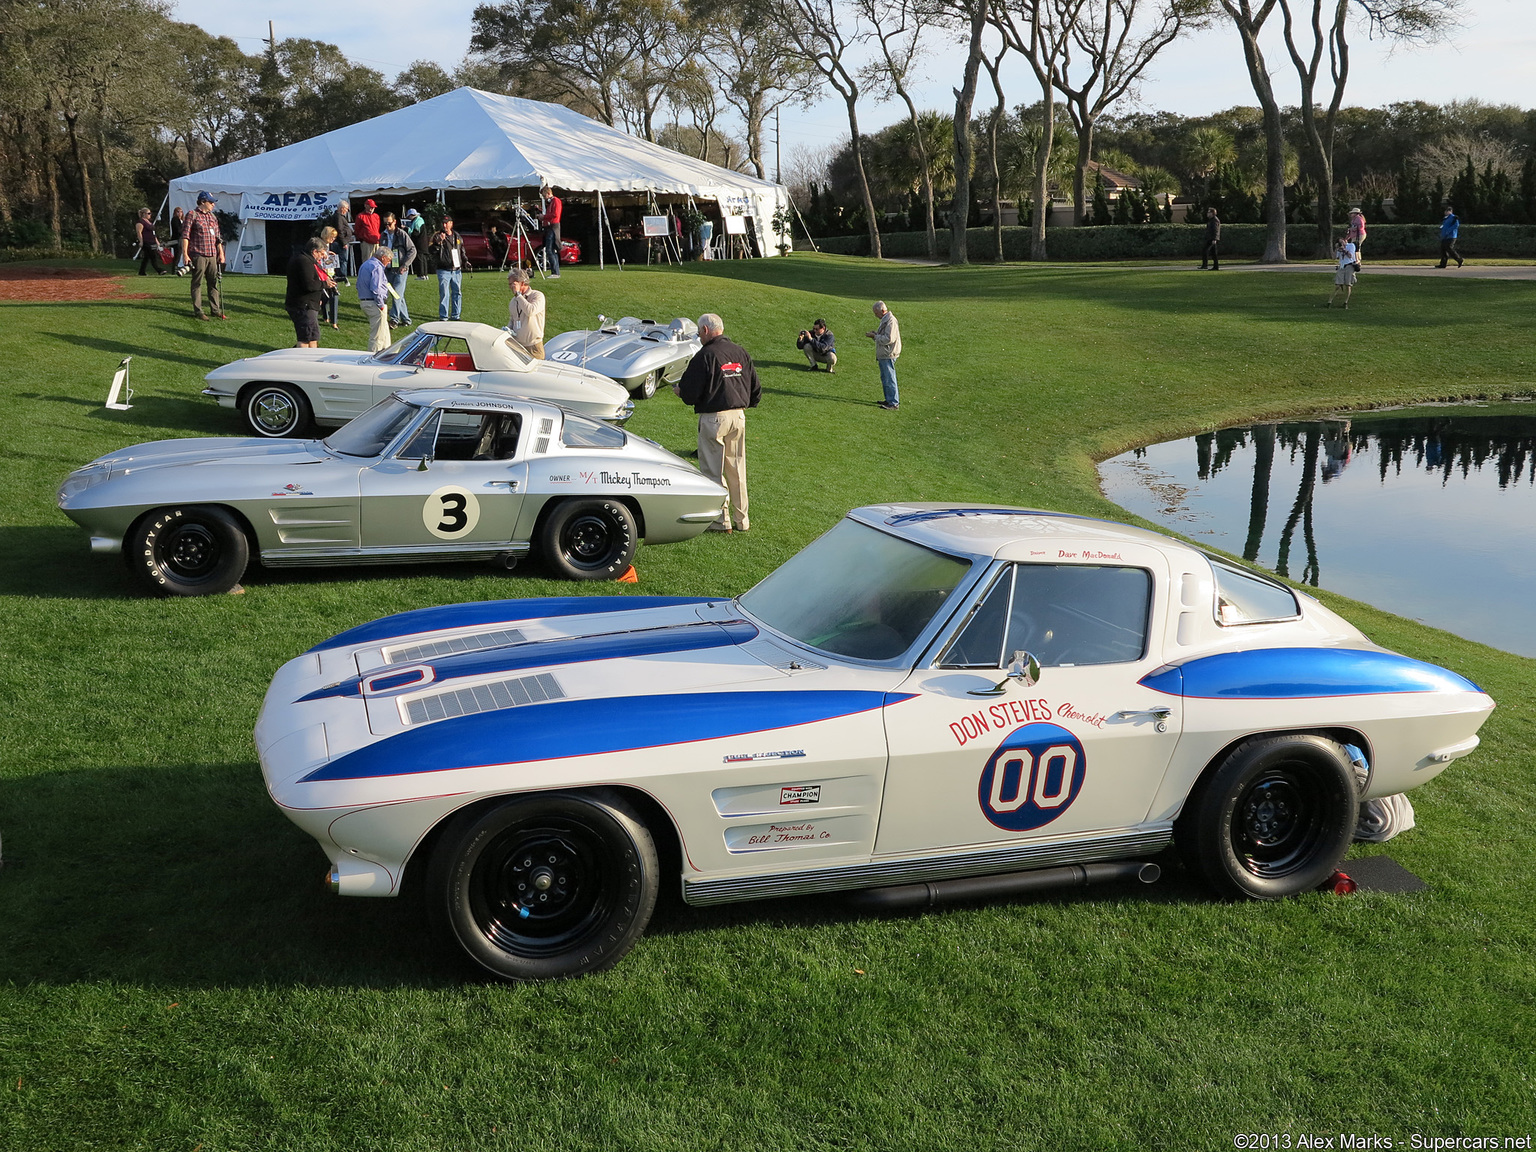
735, 225
656, 226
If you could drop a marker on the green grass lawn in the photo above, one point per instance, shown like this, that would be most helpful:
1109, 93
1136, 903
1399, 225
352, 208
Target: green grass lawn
174, 977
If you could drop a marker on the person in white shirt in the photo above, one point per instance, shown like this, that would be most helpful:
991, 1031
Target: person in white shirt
1344, 278
525, 314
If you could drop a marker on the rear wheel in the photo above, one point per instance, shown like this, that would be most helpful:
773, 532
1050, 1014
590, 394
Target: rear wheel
1274, 819
547, 885
195, 550
589, 539
277, 410
647, 386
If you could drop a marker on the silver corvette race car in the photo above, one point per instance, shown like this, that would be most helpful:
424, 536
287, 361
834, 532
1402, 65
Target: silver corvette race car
640, 354
440, 474
287, 392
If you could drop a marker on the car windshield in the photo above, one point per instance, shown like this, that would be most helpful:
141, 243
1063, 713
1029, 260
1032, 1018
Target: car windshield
374, 430
857, 592
396, 352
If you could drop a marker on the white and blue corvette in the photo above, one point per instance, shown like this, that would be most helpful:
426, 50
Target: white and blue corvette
927, 701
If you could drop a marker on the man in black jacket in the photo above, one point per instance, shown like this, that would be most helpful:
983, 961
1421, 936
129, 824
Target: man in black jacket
305, 292
721, 384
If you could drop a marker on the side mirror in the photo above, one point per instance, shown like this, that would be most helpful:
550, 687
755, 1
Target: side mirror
1024, 668
422, 467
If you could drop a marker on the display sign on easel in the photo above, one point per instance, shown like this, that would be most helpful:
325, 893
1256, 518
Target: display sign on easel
656, 226
735, 225
120, 397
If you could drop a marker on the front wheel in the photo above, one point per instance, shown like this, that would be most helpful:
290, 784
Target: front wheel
1274, 819
647, 386
194, 550
547, 885
277, 410
589, 539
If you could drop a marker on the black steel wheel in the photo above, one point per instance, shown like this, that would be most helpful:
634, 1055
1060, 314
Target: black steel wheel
547, 885
1274, 819
589, 539
194, 550
647, 386
277, 410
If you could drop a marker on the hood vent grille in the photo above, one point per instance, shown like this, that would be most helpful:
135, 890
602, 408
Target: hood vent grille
484, 698
455, 644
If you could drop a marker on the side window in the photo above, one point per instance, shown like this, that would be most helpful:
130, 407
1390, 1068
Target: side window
1074, 614
498, 437
579, 432
980, 643
449, 354
421, 444
1244, 598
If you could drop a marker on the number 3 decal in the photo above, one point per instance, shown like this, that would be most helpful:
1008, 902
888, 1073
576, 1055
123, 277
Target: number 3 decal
451, 512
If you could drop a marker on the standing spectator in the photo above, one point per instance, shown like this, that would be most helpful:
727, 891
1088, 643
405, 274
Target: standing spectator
887, 337
306, 292
1356, 233
414, 223
1208, 256
365, 226
149, 245
525, 314
344, 239
372, 294
1450, 229
1345, 276
819, 346
202, 247
721, 384
549, 220
178, 227
330, 264
448, 254
398, 241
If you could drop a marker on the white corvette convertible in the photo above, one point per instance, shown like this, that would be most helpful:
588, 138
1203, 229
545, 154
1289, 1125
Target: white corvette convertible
292, 390
928, 702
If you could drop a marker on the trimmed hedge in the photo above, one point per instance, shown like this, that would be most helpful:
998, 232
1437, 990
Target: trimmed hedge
1185, 241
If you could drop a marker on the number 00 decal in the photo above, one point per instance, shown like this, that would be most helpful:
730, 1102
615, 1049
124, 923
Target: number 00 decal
451, 512
1032, 778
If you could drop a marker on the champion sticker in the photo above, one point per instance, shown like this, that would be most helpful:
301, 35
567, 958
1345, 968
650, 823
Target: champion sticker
804, 794
1032, 778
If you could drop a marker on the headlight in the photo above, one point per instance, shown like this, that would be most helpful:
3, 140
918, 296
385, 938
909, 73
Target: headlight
81, 479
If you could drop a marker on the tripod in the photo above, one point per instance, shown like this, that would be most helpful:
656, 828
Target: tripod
521, 222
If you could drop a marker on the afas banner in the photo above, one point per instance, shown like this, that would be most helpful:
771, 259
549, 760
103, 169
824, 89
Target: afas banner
288, 205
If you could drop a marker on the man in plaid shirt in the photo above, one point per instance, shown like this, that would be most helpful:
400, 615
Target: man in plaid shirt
202, 247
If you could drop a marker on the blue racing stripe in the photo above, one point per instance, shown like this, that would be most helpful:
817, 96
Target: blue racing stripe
497, 612
587, 727
1295, 673
696, 637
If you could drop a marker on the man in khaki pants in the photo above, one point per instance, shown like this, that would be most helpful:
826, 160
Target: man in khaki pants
721, 384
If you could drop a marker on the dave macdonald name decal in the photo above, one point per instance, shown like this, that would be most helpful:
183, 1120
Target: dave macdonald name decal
1012, 713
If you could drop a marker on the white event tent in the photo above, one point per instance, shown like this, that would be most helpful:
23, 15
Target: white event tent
468, 140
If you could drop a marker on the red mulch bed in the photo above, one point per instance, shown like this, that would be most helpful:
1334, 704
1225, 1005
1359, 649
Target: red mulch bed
62, 285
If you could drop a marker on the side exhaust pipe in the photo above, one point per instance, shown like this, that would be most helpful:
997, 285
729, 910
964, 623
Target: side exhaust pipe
936, 892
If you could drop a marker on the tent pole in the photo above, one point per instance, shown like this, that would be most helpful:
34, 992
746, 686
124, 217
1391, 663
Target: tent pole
617, 263
800, 218
163, 203
600, 265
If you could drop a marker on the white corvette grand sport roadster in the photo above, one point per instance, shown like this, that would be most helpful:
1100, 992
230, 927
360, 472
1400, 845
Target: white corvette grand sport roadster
293, 390
927, 702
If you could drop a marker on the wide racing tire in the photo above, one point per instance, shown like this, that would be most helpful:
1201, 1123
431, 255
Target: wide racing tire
277, 410
589, 539
188, 550
1273, 820
546, 885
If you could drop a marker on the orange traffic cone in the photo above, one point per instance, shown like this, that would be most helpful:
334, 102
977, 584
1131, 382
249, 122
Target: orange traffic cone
630, 576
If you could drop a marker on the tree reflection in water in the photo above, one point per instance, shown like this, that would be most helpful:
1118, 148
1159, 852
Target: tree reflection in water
1444, 444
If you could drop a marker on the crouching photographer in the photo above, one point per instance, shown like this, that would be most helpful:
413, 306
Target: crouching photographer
819, 346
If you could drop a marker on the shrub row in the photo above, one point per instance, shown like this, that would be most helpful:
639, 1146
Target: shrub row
1185, 241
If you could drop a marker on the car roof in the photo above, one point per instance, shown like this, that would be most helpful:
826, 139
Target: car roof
989, 530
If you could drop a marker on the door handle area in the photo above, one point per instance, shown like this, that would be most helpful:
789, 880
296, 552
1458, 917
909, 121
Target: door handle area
512, 484
1159, 714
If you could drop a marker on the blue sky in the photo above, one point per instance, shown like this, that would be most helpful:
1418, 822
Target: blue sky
1490, 57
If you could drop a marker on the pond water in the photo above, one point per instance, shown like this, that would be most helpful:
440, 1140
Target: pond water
1428, 512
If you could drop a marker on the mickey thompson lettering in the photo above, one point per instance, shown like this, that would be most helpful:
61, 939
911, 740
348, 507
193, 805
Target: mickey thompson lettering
633, 480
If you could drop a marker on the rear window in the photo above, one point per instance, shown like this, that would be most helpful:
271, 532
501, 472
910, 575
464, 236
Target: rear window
1247, 598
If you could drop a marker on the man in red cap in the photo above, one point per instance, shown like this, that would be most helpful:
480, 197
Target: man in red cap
365, 226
